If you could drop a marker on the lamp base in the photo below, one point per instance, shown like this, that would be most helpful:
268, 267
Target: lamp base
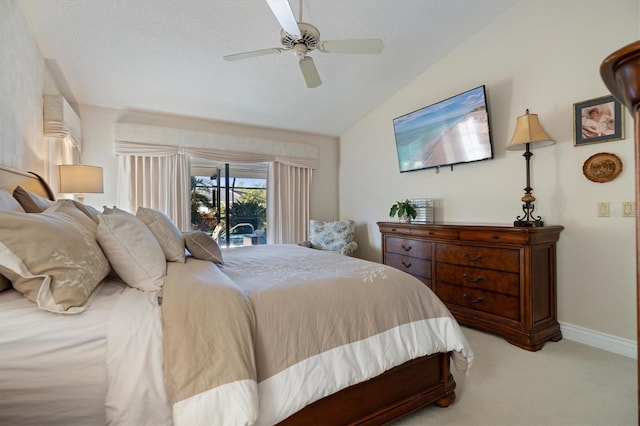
528, 220
528, 223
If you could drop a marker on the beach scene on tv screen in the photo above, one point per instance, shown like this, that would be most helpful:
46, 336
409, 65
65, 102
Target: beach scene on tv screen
452, 131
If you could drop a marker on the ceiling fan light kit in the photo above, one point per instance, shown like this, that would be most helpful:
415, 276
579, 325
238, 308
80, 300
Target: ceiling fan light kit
302, 38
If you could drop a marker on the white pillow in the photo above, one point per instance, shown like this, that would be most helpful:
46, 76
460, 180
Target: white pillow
7, 202
165, 231
132, 250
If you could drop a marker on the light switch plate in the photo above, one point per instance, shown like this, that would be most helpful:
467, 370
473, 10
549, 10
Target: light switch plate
628, 209
604, 209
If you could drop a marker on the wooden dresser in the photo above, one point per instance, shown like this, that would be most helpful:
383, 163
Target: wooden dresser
500, 279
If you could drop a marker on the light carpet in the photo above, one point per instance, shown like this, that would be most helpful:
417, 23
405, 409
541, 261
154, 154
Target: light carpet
565, 383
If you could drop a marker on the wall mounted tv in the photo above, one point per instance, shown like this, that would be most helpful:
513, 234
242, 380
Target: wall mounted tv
452, 131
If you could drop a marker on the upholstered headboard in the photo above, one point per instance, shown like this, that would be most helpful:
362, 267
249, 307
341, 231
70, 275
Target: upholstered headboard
10, 178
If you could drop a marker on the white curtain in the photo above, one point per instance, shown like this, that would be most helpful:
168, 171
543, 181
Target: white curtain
158, 176
288, 201
63, 141
58, 151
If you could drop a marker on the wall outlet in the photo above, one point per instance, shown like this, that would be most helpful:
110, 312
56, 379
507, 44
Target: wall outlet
604, 209
628, 209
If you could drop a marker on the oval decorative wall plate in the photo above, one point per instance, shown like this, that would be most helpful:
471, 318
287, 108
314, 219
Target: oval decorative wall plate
602, 167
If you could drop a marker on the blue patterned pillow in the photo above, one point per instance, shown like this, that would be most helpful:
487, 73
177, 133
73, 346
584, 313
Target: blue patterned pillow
331, 235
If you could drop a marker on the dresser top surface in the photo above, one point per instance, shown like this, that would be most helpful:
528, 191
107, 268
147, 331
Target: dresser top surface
502, 227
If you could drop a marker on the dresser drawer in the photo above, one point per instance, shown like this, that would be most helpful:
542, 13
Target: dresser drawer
409, 247
494, 237
418, 267
481, 257
485, 279
441, 234
480, 300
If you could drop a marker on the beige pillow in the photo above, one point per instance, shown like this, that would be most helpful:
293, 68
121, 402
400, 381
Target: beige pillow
91, 212
7, 202
30, 201
69, 208
51, 258
112, 210
202, 246
166, 232
132, 250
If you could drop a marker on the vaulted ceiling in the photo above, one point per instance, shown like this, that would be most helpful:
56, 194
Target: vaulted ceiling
166, 56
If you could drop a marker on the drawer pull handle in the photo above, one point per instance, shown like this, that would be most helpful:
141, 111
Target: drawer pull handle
405, 248
431, 233
471, 299
495, 237
406, 265
473, 259
472, 280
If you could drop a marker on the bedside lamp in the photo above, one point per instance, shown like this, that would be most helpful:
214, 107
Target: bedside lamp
80, 179
528, 134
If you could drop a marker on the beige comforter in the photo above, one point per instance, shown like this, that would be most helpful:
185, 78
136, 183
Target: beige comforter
278, 327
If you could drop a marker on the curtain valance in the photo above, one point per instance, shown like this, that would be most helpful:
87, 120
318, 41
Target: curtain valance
138, 139
61, 121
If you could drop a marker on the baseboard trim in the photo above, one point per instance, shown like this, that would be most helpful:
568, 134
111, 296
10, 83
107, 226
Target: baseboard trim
607, 342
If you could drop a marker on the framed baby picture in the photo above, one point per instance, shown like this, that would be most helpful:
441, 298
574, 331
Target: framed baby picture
598, 120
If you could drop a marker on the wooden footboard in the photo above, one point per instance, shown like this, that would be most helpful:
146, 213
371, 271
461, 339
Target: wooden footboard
397, 392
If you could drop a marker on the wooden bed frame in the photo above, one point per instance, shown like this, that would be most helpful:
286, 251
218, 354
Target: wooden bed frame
397, 392
393, 394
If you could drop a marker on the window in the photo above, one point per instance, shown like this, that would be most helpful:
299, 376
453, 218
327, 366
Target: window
229, 201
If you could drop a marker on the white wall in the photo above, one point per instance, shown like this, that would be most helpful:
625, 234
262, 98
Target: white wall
22, 79
98, 137
543, 55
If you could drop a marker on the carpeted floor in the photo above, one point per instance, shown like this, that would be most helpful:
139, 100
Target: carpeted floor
565, 383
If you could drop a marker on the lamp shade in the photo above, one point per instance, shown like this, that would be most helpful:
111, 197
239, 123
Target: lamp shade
80, 179
529, 131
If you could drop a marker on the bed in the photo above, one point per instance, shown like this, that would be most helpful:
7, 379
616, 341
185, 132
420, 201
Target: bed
293, 336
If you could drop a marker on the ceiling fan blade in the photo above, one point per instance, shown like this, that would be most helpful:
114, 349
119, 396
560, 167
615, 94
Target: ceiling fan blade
370, 46
284, 15
252, 54
310, 72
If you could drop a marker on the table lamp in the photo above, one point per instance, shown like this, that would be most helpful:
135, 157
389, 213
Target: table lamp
528, 134
80, 179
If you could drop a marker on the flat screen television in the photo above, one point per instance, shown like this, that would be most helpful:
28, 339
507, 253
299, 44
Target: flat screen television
453, 131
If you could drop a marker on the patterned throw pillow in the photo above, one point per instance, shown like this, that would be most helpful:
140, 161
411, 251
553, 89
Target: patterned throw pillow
331, 235
166, 232
52, 258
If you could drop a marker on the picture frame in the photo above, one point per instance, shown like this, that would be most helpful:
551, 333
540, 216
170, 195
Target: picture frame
602, 167
598, 120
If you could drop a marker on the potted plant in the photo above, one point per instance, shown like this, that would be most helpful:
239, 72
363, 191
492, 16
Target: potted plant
404, 210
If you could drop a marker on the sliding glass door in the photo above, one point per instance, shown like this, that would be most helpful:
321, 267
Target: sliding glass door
229, 201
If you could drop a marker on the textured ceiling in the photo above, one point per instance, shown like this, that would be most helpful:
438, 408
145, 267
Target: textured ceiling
165, 56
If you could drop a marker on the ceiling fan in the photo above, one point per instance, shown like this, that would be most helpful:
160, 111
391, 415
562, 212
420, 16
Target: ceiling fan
301, 38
